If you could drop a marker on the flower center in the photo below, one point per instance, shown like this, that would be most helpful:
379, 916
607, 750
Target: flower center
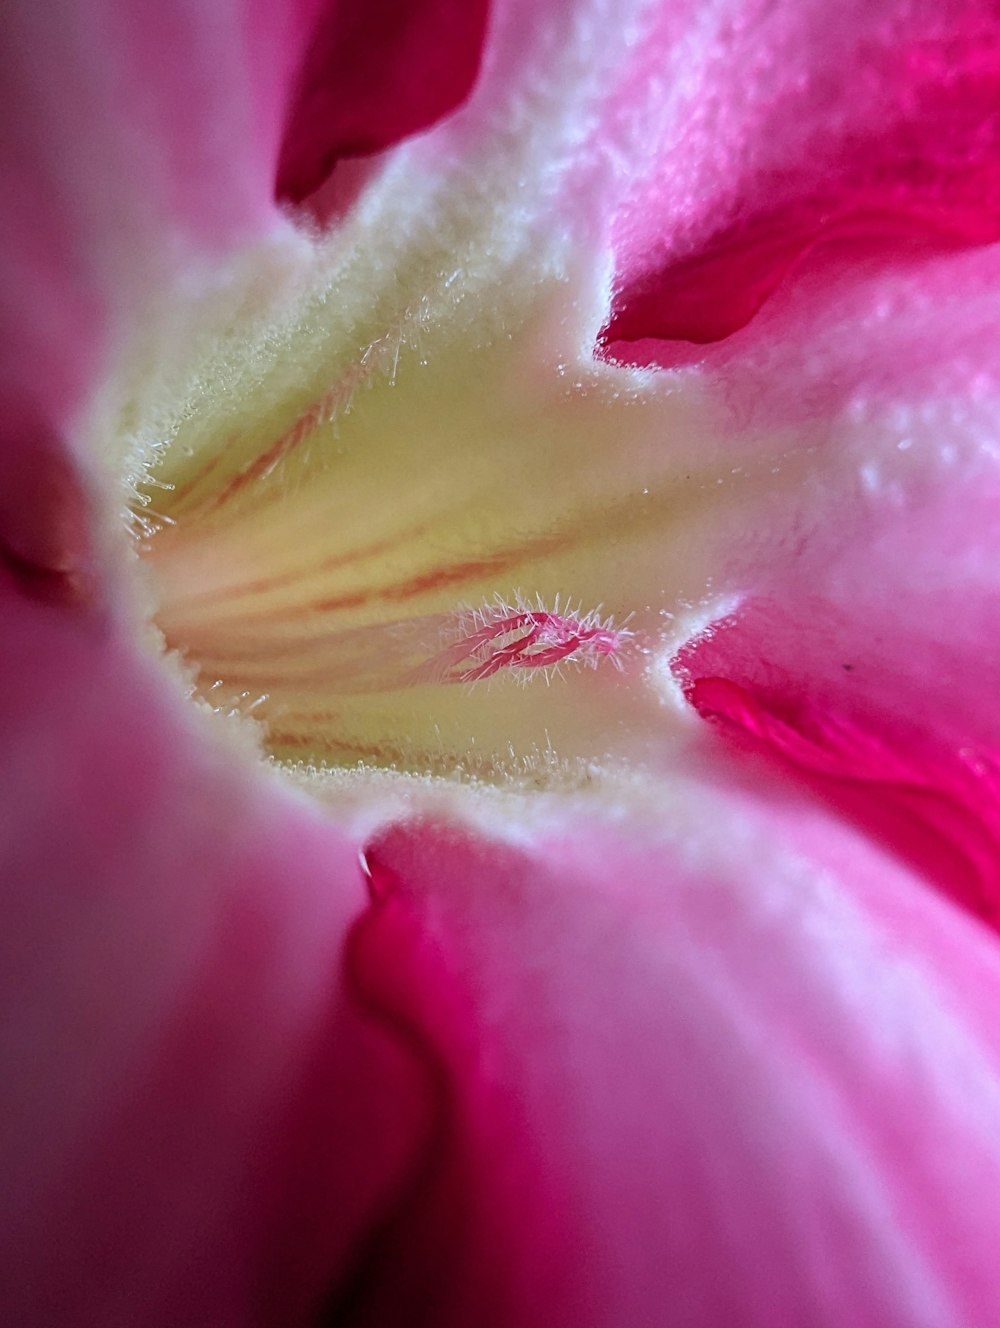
340, 528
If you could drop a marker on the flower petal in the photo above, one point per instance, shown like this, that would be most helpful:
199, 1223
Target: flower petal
757, 172
198, 1123
684, 1076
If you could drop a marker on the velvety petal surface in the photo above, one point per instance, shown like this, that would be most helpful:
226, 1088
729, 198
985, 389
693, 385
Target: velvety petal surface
854, 612
683, 1076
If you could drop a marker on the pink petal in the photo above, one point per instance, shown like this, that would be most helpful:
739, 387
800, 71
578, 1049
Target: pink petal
874, 130
859, 658
692, 1080
199, 1126
132, 138
375, 73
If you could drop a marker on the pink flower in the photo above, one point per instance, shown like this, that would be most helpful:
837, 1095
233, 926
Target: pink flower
640, 349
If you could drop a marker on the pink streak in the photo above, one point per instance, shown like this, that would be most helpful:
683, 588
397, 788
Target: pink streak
860, 660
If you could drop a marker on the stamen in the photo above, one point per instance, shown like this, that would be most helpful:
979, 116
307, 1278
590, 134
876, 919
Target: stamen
523, 637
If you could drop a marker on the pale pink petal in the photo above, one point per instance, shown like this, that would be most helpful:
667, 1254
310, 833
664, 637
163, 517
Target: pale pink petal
862, 661
199, 1126
687, 1076
129, 141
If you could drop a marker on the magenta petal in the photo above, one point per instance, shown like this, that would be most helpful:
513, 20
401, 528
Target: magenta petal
910, 156
676, 1087
199, 1125
374, 73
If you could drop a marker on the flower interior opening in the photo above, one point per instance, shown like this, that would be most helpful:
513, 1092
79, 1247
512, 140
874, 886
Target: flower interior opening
437, 549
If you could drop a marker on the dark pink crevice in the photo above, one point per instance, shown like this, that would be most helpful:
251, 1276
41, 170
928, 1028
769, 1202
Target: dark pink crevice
345, 1149
44, 511
927, 175
374, 73
937, 809
428, 1253
714, 292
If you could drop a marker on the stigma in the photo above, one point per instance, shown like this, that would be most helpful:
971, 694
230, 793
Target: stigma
525, 639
